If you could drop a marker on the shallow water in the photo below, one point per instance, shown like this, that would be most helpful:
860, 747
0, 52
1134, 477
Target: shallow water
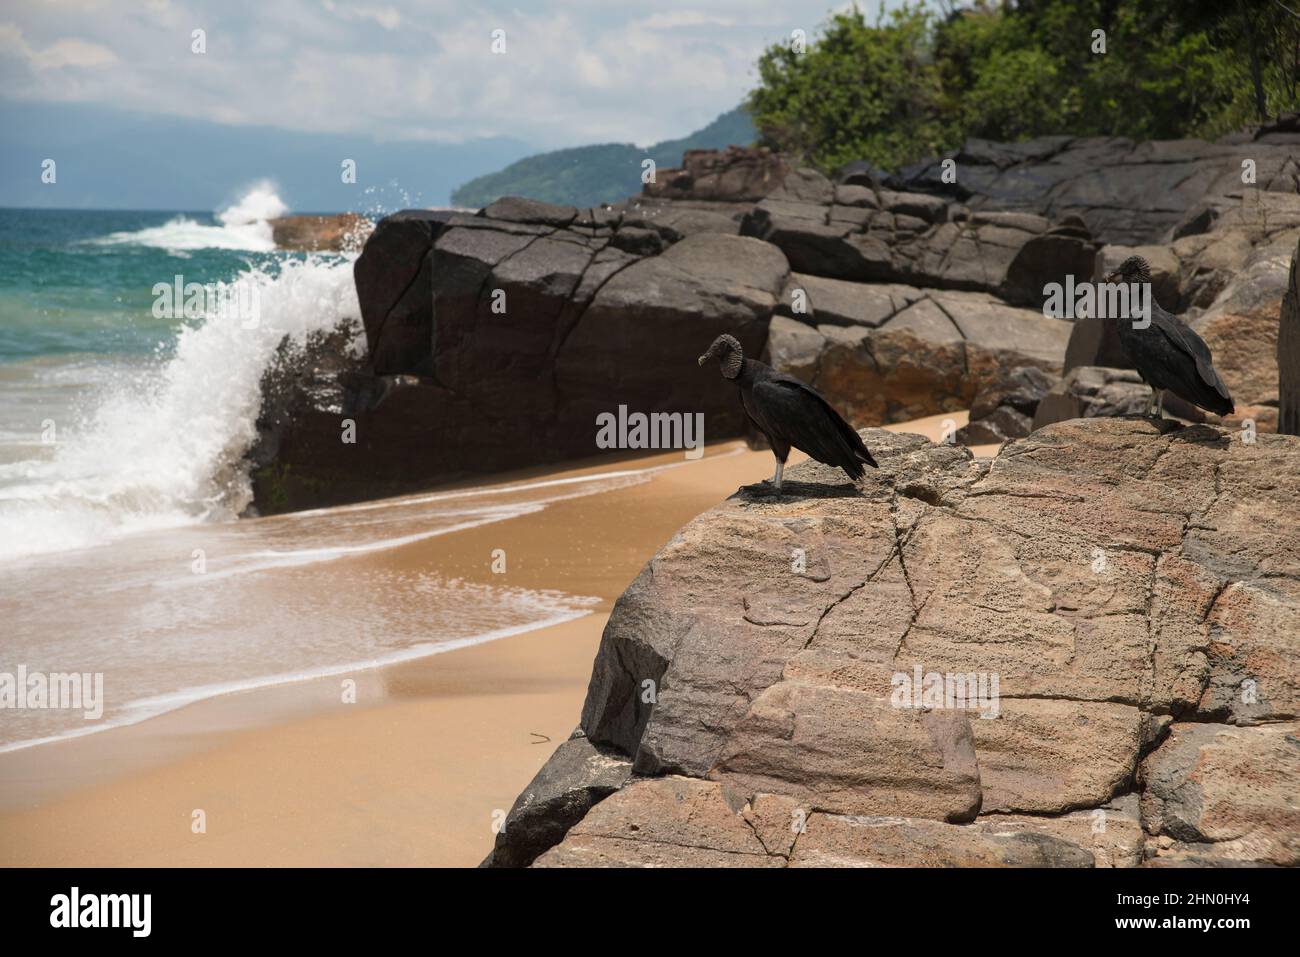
175, 615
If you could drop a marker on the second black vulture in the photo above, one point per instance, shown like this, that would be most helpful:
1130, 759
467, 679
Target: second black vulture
1167, 353
790, 413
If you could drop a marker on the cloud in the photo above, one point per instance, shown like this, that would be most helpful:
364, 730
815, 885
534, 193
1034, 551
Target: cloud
64, 52
592, 69
390, 18
684, 18
575, 71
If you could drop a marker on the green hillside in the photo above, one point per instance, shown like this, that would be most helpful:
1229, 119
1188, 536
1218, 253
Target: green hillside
589, 175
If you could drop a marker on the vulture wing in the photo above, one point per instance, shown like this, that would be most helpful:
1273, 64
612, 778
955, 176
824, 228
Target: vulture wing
1183, 338
797, 414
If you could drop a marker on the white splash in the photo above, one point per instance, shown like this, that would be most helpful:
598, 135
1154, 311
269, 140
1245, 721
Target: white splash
243, 226
164, 445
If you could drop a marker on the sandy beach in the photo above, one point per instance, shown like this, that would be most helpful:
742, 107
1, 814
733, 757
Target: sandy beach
432, 751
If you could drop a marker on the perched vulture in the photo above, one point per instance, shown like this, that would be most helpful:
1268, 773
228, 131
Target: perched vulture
1168, 354
790, 413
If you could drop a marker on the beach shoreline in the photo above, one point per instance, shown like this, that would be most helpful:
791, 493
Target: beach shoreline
415, 763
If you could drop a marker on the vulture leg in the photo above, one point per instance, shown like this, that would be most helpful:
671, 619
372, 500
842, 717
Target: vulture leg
1151, 406
776, 480
1160, 405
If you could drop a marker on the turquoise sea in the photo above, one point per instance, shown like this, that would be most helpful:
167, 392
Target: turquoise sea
122, 479
118, 411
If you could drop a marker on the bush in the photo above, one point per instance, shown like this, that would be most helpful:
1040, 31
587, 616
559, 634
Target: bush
861, 92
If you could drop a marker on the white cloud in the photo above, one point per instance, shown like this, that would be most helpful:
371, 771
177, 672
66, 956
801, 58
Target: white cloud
63, 52
592, 70
575, 71
684, 18
390, 18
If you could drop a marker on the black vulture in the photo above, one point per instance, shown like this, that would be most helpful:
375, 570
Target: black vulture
790, 413
1168, 354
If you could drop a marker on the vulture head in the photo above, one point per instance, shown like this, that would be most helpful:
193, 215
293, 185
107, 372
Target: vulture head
1133, 269
727, 351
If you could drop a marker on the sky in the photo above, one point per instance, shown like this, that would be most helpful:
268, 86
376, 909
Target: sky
376, 72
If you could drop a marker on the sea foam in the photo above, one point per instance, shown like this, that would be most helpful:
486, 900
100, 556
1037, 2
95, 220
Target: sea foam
163, 445
245, 225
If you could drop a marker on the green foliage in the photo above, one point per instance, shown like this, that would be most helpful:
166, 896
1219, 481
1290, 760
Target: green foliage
590, 175
861, 92
914, 83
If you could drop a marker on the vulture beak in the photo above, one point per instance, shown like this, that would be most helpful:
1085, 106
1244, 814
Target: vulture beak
1113, 277
704, 358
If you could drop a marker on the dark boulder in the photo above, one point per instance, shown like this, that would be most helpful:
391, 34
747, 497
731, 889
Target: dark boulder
1066, 250
497, 339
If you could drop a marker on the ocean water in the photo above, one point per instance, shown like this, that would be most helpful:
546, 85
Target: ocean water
121, 479
115, 419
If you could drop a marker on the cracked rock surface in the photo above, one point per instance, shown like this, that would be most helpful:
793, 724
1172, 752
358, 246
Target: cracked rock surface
1134, 586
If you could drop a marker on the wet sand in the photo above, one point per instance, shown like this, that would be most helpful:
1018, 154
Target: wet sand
415, 771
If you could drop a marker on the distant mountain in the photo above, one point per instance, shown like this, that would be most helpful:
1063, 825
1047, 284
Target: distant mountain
115, 159
607, 172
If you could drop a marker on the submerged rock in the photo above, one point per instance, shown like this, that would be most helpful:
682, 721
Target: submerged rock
344, 232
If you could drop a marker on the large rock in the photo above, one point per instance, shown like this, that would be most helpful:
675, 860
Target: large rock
1242, 330
1112, 576
495, 340
698, 288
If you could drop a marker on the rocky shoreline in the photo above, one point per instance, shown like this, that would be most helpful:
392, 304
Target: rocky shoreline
494, 340
1122, 593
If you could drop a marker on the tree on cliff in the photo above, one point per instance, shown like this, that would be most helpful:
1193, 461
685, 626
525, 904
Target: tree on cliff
915, 83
